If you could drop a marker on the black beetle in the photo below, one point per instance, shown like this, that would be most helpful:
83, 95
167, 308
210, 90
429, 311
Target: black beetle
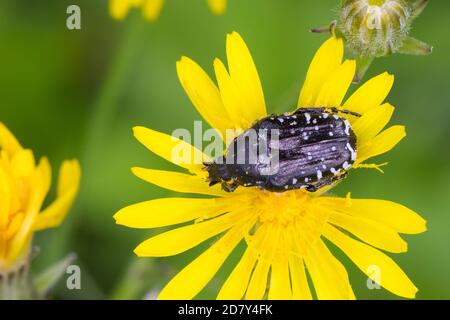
312, 148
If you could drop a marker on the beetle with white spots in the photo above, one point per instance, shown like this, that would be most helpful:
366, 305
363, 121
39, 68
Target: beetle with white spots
315, 150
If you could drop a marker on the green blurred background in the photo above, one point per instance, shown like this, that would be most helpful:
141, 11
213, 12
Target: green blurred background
78, 94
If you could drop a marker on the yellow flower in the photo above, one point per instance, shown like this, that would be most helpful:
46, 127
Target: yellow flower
283, 233
152, 8
23, 188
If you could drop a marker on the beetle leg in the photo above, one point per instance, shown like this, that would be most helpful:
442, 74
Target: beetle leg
344, 111
229, 186
327, 109
311, 110
326, 182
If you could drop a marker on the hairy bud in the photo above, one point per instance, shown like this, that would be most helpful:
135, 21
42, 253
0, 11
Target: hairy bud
377, 28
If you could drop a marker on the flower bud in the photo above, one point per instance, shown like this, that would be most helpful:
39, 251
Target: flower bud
375, 28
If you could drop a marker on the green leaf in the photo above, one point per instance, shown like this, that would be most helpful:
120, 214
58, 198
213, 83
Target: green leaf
325, 29
362, 65
44, 282
415, 47
418, 7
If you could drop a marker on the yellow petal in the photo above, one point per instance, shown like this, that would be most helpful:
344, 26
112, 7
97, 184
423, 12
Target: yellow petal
165, 212
217, 7
184, 238
326, 60
392, 278
328, 275
194, 277
204, 94
40, 185
280, 284
371, 94
179, 182
68, 185
7, 140
300, 287
335, 87
236, 284
391, 214
152, 9
5, 200
22, 163
372, 122
258, 282
245, 76
382, 143
14, 225
371, 232
171, 148
118, 9
232, 98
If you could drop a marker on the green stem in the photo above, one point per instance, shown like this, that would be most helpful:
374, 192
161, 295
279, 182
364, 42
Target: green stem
135, 282
106, 105
102, 116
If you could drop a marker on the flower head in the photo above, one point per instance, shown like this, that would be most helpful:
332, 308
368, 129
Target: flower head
377, 28
152, 8
283, 233
24, 185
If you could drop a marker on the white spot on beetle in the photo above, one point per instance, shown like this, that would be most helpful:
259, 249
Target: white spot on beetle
294, 116
281, 120
286, 187
346, 165
334, 171
315, 121
319, 174
294, 181
316, 128
336, 117
306, 180
352, 151
308, 117
325, 115
324, 167
347, 127
333, 148
293, 123
305, 135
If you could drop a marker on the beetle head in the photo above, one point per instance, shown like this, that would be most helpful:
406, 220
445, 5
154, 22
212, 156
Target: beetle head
217, 171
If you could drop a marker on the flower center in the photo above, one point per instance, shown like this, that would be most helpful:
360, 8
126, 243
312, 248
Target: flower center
282, 208
376, 2
288, 223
